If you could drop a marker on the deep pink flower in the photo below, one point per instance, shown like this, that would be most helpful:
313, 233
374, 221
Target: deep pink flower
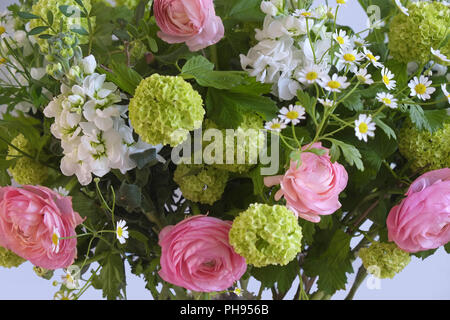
196, 255
312, 189
191, 21
29, 218
422, 220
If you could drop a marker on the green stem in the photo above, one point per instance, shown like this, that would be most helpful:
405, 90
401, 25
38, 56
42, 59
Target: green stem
361, 275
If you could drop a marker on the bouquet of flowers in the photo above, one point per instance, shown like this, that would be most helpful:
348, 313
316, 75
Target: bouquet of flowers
209, 144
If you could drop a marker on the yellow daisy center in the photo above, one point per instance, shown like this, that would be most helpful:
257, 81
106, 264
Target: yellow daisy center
421, 88
2, 60
341, 1
349, 57
361, 78
386, 79
311, 76
306, 14
119, 231
275, 126
334, 84
55, 239
292, 115
371, 57
340, 40
363, 128
387, 101
2, 30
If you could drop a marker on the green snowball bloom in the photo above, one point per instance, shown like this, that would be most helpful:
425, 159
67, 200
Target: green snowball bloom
164, 110
25, 170
266, 235
127, 3
426, 151
248, 141
59, 19
384, 260
200, 183
412, 37
9, 259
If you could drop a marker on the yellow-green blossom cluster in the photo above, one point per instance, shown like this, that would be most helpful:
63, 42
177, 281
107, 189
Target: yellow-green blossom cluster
411, 37
61, 23
245, 144
26, 170
426, 151
384, 260
201, 183
164, 109
9, 259
266, 235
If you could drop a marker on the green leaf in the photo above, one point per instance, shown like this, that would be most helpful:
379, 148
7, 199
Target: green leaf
67, 10
129, 197
38, 30
351, 153
282, 275
125, 78
388, 130
354, 102
224, 107
258, 181
80, 30
50, 17
331, 261
197, 65
430, 120
246, 10
112, 276
27, 15
5, 179
447, 247
307, 102
144, 158
425, 254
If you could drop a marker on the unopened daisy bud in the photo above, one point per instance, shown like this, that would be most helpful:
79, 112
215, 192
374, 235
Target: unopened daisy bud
9, 259
199, 183
266, 235
384, 260
43, 273
25, 170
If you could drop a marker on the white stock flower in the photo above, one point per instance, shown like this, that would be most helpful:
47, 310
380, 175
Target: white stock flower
89, 64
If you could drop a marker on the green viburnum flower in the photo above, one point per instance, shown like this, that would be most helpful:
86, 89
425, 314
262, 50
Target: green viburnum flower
164, 109
412, 37
201, 183
127, 3
266, 235
426, 151
9, 259
59, 19
248, 141
384, 260
25, 170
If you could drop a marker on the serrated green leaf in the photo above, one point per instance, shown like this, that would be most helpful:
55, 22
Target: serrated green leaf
354, 102
351, 153
129, 196
282, 275
196, 65
112, 276
388, 130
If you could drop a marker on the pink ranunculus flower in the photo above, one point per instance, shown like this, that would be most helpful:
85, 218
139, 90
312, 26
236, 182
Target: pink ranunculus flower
31, 219
196, 255
422, 220
191, 21
312, 189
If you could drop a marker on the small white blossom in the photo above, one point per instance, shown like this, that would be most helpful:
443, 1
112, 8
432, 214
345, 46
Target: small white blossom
387, 77
121, 231
334, 83
275, 125
364, 77
292, 114
387, 99
364, 127
421, 87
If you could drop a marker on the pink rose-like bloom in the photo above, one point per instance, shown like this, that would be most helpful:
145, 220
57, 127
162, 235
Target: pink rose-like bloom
312, 189
196, 255
29, 217
191, 21
422, 220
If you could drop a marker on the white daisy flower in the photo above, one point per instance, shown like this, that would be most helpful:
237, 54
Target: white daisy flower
55, 240
357, 41
342, 38
310, 74
440, 56
420, 87
364, 77
69, 279
304, 13
238, 292
387, 99
348, 57
121, 231
292, 114
402, 7
62, 191
275, 125
387, 76
364, 127
444, 90
335, 83
372, 58
326, 103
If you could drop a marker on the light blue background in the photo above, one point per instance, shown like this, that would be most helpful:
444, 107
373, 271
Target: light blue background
429, 279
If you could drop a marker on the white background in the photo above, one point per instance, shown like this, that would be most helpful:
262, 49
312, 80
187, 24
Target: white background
429, 279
